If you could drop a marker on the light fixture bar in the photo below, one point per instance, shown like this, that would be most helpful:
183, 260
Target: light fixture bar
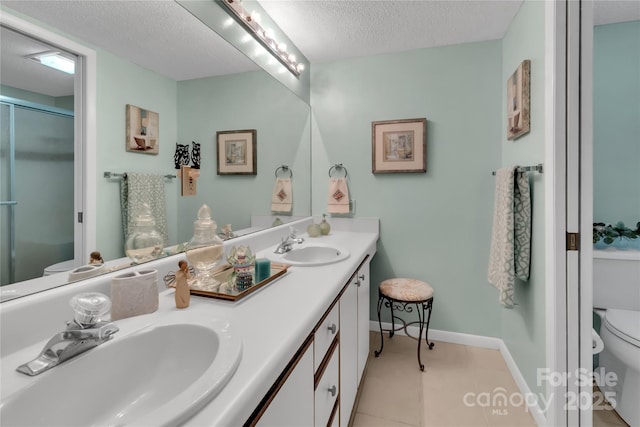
264, 37
55, 60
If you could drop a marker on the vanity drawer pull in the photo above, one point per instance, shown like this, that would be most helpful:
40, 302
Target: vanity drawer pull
333, 391
333, 328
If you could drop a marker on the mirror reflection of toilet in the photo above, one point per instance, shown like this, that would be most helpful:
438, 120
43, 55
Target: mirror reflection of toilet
60, 267
616, 299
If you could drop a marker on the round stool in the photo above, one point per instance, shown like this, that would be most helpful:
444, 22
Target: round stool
400, 295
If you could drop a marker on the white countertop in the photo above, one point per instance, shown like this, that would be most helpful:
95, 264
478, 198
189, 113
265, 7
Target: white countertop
273, 323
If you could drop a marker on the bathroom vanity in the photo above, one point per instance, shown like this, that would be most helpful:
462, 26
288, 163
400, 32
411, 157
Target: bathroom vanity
304, 338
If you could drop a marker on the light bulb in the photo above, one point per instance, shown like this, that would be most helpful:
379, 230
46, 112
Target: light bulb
292, 58
255, 16
268, 33
282, 47
300, 67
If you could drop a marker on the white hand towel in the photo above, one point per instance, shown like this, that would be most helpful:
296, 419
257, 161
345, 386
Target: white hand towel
511, 233
338, 196
282, 198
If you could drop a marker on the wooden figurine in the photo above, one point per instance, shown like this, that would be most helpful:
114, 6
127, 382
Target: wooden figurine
182, 285
95, 258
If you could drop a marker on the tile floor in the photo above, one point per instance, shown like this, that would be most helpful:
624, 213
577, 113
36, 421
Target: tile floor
396, 394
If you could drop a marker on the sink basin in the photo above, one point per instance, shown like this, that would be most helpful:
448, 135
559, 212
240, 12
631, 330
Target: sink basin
159, 375
312, 255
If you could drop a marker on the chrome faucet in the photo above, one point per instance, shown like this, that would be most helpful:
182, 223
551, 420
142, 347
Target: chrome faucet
83, 333
287, 243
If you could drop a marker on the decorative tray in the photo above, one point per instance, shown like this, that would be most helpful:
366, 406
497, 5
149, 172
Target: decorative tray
227, 289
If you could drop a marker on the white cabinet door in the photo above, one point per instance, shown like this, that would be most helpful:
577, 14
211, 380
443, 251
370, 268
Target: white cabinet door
363, 316
348, 351
293, 404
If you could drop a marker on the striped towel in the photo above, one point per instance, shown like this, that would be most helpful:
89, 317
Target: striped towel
137, 189
510, 252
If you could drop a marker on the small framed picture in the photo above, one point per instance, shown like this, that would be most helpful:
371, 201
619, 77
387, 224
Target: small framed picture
142, 130
518, 99
399, 146
237, 154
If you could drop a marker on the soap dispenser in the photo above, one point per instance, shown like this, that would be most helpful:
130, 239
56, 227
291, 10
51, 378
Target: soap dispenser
144, 243
325, 227
204, 250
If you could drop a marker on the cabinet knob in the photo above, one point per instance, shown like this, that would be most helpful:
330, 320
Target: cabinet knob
333, 391
333, 328
361, 277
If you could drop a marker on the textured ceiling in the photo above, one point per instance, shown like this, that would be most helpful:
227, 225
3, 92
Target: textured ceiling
162, 36
159, 35
327, 30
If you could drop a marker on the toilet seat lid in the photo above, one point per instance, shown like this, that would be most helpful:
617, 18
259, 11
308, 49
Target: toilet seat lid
625, 324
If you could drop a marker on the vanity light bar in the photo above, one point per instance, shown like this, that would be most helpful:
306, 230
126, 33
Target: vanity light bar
264, 36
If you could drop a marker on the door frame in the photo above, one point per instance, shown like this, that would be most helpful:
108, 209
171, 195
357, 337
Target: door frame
84, 130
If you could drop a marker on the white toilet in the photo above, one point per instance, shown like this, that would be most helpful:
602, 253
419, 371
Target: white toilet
616, 298
60, 267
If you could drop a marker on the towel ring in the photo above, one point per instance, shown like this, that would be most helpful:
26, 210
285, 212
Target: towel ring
284, 169
338, 166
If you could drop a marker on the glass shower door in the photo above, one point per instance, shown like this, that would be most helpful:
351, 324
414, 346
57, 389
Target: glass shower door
7, 196
37, 171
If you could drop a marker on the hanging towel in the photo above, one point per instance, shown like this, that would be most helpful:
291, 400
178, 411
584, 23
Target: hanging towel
510, 252
139, 188
282, 198
338, 196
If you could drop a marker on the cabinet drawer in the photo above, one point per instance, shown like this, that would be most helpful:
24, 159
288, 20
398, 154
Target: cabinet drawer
327, 391
324, 336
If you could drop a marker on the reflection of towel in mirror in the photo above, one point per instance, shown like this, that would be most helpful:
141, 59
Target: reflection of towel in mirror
510, 251
137, 189
282, 198
338, 196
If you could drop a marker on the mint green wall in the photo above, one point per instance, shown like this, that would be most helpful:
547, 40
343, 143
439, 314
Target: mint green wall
252, 100
66, 102
616, 123
26, 95
523, 327
434, 226
120, 82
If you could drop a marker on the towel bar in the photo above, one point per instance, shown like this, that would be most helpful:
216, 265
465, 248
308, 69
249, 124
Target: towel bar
124, 175
537, 168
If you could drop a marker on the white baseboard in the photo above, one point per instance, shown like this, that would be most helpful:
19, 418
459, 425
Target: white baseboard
477, 341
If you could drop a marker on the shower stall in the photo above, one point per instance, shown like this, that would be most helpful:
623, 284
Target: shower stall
36, 188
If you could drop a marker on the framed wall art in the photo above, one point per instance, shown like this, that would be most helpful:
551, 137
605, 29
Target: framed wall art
399, 146
518, 99
237, 154
142, 130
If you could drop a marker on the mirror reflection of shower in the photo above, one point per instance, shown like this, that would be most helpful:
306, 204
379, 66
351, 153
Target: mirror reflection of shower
37, 163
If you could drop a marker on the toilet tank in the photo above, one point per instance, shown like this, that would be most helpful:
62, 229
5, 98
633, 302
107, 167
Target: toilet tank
616, 279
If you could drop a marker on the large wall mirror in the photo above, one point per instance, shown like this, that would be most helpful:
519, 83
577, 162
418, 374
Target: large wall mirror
198, 83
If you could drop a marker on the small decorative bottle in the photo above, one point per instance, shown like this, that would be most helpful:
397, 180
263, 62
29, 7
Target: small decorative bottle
325, 227
144, 242
242, 261
204, 250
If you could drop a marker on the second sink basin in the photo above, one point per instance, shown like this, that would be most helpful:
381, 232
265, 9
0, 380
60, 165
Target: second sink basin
314, 254
159, 375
